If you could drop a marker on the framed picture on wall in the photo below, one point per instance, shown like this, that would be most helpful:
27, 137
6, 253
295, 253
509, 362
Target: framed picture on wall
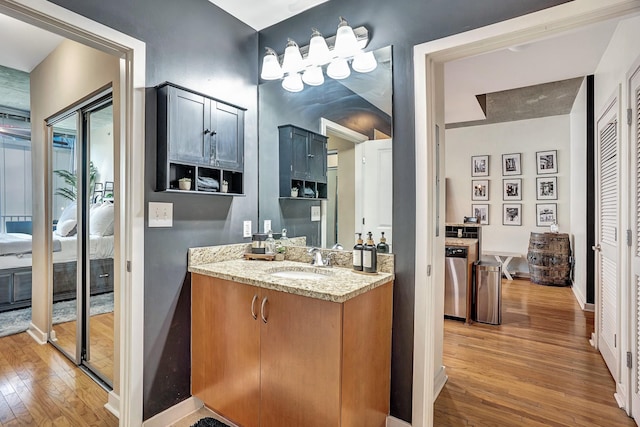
511, 164
482, 212
512, 214
480, 189
547, 162
480, 165
512, 189
546, 214
547, 188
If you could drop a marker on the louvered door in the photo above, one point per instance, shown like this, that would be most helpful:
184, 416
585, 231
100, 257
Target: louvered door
607, 226
634, 98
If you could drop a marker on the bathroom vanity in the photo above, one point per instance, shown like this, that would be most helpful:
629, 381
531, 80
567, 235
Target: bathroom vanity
284, 343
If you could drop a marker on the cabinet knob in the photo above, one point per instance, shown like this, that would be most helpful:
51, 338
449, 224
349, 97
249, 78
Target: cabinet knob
311, 156
206, 131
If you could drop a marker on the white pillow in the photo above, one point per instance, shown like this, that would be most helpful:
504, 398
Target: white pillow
66, 228
101, 220
68, 213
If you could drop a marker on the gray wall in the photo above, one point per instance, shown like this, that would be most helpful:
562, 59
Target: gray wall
195, 44
401, 24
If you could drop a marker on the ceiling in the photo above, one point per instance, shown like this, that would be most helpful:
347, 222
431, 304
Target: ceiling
572, 54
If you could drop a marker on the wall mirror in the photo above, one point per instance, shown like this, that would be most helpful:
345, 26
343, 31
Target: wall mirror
356, 115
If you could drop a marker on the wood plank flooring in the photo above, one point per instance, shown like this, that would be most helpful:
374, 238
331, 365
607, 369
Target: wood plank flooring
39, 386
536, 369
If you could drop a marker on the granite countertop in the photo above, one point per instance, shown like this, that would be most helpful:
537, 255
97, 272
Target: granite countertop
460, 241
339, 285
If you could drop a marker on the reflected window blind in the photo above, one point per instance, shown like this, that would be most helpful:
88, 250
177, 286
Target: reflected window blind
609, 182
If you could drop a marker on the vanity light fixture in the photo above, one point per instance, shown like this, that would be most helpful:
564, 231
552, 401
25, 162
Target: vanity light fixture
303, 65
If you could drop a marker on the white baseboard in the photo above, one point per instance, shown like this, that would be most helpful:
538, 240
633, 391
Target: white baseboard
590, 307
394, 422
113, 404
439, 381
592, 340
175, 413
619, 400
39, 336
582, 301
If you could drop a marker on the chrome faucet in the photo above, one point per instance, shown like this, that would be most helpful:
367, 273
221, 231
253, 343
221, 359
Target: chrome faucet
317, 259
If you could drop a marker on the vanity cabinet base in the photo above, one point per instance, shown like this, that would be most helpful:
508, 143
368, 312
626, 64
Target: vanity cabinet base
312, 363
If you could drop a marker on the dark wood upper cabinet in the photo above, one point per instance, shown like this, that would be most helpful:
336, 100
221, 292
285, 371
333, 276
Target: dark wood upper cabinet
303, 163
199, 137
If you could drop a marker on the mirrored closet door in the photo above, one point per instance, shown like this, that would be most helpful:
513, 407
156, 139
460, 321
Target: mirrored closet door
82, 318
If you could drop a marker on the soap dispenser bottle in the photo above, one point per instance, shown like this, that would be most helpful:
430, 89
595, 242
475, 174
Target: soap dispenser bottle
270, 244
357, 253
382, 247
369, 256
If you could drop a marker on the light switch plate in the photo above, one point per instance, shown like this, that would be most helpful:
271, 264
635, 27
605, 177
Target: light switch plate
246, 229
315, 213
160, 214
267, 225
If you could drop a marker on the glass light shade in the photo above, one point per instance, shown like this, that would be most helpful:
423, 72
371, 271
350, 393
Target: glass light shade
271, 69
338, 69
293, 83
292, 62
318, 49
364, 62
346, 43
313, 76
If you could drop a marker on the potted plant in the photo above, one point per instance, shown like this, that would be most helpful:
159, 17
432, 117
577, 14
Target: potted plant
294, 191
280, 251
184, 183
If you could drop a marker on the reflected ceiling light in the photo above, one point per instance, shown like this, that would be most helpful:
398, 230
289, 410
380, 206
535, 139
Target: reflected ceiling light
271, 69
364, 62
293, 83
304, 64
313, 76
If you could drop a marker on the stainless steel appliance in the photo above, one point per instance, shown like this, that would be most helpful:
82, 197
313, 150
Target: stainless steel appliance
456, 282
488, 292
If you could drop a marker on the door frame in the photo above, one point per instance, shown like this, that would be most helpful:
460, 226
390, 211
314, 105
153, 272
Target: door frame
428, 60
126, 399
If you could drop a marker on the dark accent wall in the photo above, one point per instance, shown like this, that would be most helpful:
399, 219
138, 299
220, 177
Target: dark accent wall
591, 189
402, 25
194, 44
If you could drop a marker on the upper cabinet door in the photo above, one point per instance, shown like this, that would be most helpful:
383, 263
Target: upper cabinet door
317, 158
228, 134
188, 127
299, 153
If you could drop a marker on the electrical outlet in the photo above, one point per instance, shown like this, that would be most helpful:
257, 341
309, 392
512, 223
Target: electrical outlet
160, 214
246, 229
267, 225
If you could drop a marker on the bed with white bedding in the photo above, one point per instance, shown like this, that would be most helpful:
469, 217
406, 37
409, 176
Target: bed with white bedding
15, 266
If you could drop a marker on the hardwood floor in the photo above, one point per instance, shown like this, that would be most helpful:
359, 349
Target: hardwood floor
536, 369
39, 386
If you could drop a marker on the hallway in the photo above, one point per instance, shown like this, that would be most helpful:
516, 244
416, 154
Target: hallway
536, 369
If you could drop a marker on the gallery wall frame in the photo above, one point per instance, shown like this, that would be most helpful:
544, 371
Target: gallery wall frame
547, 188
512, 189
547, 162
546, 214
480, 189
481, 211
512, 214
511, 164
480, 165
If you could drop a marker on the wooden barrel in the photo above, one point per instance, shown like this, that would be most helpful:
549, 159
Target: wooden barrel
549, 259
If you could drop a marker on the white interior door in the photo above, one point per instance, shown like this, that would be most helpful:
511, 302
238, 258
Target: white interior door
607, 227
634, 97
375, 189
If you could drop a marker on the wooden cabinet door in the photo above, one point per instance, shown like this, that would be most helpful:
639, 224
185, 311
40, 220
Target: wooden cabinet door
226, 348
299, 154
189, 117
300, 361
317, 158
228, 125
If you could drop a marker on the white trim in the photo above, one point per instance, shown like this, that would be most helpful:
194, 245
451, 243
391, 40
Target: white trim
439, 382
113, 404
49, 16
426, 58
580, 298
589, 307
395, 422
35, 333
341, 131
175, 413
